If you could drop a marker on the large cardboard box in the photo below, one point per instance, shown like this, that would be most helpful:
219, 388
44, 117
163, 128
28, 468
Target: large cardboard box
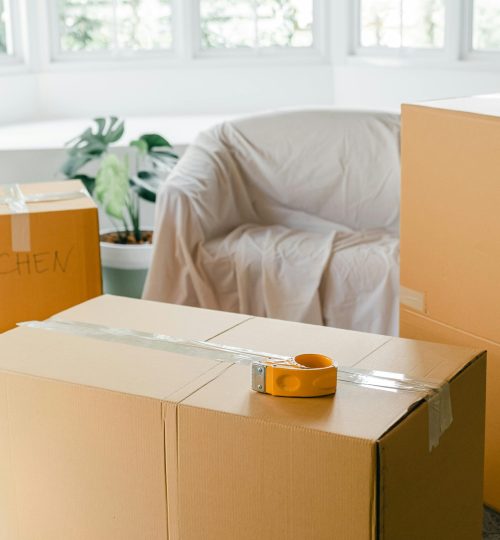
450, 239
105, 440
49, 250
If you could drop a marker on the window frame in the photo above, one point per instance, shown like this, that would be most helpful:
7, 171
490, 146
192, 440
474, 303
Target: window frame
186, 44
318, 49
418, 54
469, 53
16, 57
58, 56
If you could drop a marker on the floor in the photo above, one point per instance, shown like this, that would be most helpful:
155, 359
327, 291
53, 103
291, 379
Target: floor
491, 525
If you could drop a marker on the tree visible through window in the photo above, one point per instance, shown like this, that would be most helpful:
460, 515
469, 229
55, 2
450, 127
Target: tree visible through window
227, 24
101, 25
486, 27
403, 23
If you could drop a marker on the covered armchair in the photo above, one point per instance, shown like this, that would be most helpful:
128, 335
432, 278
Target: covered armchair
291, 215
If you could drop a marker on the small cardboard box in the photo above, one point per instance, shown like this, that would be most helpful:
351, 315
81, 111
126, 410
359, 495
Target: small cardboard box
105, 440
49, 250
450, 239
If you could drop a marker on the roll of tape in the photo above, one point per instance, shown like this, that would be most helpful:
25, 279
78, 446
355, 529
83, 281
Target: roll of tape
307, 375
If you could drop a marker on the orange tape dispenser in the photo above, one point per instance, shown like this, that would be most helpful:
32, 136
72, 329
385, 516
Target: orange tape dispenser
305, 375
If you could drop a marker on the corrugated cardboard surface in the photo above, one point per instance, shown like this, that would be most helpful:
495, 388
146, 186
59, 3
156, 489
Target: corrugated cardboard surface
84, 423
450, 236
436, 495
84, 463
450, 231
416, 326
62, 267
157, 317
129, 442
360, 421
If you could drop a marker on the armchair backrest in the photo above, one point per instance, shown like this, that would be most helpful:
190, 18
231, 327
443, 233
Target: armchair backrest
339, 166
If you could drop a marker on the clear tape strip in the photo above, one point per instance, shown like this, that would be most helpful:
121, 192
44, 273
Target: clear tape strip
437, 395
17, 203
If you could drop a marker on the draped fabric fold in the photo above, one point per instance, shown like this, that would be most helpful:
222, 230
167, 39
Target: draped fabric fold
290, 215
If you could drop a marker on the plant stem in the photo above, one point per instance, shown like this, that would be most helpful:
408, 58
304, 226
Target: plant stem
133, 208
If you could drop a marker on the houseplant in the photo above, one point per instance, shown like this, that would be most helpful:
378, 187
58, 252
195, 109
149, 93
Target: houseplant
126, 249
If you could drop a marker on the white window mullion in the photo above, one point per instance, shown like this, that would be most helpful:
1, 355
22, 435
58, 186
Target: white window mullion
456, 33
255, 7
401, 23
9, 42
114, 30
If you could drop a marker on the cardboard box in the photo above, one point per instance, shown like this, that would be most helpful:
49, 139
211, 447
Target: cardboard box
450, 239
49, 255
110, 440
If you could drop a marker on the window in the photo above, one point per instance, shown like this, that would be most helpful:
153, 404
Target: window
486, 25
113, 25
251, 24
6, 44
397, 24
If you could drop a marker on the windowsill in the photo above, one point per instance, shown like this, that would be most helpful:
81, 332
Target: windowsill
200, 60
476, 62
179, 130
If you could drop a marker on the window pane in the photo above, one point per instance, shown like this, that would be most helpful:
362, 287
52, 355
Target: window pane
227, 23
402, 23
285, 23
246, 23
381, 23
3, 29
423, 23
144, 24
96, 25
486, 25
86, 25
6, 45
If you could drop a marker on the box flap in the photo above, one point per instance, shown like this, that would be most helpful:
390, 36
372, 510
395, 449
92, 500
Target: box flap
356, 411
156, 317
66, 186
419, 359
117, 366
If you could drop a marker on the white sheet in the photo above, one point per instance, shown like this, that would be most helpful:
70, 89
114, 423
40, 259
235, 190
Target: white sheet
259, 214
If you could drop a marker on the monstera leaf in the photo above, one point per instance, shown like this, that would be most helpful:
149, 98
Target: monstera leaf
154, 145
112, 186
92, 144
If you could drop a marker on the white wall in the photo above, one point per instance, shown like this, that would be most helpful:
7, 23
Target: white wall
19, 98
387, 87
221, 90
181, 90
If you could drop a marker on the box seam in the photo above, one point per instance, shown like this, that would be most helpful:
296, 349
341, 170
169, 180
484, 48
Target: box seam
449, 326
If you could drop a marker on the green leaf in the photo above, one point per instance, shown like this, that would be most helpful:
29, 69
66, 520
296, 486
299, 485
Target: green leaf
141, 146
146, 194
146, 175
73, 164
92, 143
115, 131
163, 154
153, 140
101, 124
87, 181
112, 186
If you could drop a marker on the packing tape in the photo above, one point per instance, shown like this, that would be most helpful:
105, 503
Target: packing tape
436, 395
17, 203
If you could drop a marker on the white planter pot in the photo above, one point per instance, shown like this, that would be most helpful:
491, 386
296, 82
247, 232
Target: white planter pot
124, 267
